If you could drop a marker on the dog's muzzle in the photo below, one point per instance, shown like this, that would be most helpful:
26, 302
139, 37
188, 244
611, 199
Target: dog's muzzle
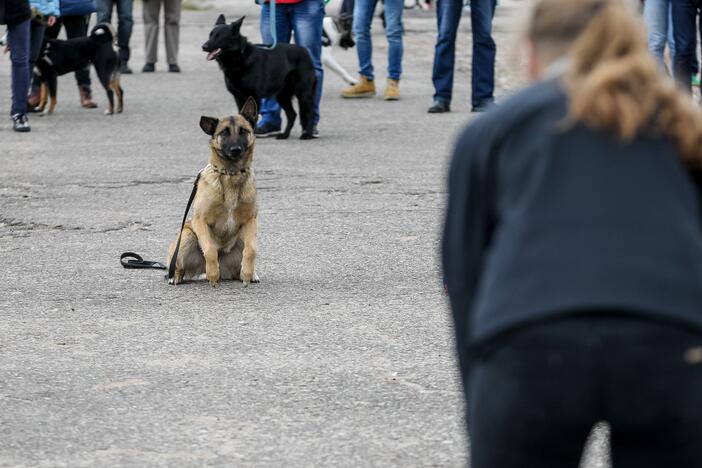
233, 151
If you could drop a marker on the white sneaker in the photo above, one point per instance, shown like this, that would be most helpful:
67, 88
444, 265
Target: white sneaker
20, 123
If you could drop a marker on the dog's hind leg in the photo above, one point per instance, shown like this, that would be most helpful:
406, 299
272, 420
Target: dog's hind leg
43, 97
305, 99
106, 82
285, 101
190, 261
119, 92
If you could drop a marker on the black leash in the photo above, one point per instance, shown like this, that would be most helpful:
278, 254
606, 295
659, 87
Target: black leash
135, 261
172, 266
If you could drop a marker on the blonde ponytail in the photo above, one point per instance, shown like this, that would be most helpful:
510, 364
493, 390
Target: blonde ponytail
613, 82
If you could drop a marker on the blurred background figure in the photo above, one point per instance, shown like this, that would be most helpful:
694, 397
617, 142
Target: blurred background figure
16, 15
573, 253
171, 13
44, 13
685, 18
125, 22
448, 16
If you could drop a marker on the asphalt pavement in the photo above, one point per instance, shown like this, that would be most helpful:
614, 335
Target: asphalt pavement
341, 356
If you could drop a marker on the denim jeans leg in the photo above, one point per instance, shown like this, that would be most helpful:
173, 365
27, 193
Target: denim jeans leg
656, 14
307, 20
104, 11
362, 19
270, 109
36, 38
393, 32
18, 40
483, 66
125, 23
448, 15
685, 31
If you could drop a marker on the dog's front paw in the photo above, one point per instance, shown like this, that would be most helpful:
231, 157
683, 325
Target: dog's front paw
255, 278
249, 277
108, 112
306, 136
213, 278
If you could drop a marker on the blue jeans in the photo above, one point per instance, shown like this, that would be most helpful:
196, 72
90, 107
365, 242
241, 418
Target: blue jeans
658, 16
125, 22
448, 15
686, 14
18, 40
305, 20
362, 19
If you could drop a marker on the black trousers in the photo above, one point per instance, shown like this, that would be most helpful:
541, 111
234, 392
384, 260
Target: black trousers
76, 26
533, 399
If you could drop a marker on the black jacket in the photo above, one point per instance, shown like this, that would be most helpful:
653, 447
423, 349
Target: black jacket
13, 12
545, 219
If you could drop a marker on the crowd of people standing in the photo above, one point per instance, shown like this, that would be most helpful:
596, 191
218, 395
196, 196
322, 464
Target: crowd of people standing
29, 22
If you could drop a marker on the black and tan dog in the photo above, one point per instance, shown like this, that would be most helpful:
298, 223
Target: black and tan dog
59, 57
220, 239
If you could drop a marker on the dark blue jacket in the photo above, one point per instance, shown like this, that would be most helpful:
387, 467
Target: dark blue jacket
545, 219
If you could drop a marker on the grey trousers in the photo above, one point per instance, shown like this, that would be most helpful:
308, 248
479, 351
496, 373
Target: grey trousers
171, 10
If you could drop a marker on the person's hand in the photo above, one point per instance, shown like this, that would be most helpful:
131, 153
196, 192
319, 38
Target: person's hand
51, 21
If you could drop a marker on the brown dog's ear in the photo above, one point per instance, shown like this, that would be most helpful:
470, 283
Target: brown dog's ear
250, 111
220, 20
208, 124
236, 25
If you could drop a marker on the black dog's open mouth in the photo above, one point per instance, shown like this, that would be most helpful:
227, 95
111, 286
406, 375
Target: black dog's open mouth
213, 55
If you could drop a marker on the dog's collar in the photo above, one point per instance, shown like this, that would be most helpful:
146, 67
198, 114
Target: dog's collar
223, 171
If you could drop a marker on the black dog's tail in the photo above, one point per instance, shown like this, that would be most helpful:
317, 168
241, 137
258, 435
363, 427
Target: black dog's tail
103, 32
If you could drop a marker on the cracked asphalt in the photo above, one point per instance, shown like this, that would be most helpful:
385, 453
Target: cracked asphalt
341, 356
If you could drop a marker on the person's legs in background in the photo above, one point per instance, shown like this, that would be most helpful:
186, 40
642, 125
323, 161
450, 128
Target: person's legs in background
656, 17
307, 20
448, 16
151, 11
362, 19
18, 40
685, 32
125, 23
270, 122
484, 49
171, 13
393, 31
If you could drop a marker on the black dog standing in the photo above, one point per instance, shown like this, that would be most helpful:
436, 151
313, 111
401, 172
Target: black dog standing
250, 71
60, 57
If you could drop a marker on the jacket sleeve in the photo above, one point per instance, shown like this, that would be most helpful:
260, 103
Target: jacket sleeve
468, 227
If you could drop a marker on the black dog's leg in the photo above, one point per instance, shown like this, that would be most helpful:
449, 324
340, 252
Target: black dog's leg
106, 82
119, 92
51, 81
305, 99
285, 100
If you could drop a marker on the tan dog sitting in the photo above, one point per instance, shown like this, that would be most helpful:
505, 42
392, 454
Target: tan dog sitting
220, 239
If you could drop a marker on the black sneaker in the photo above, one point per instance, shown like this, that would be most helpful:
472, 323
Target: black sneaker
267, 129
482, 107
124, 69
149, 68
173, 68
439, 107
20, 123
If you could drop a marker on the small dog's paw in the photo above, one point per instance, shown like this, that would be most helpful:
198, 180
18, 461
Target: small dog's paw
119, 110
213, 278
281, 136
306, 136
255, 278
108, 112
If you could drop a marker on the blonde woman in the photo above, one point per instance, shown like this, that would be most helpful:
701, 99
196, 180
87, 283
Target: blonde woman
573, 253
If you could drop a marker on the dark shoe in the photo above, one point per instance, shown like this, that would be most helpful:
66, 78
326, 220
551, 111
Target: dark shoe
173, 68
86, 100
124, 69
266, 129
20, 123
439, 107
149, 68
482, 107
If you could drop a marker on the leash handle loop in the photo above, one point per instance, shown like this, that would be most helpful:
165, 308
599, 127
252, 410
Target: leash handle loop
172, 265
134, 260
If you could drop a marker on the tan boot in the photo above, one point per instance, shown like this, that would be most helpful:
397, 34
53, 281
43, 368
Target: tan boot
364, 88
392, 90
86, 99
